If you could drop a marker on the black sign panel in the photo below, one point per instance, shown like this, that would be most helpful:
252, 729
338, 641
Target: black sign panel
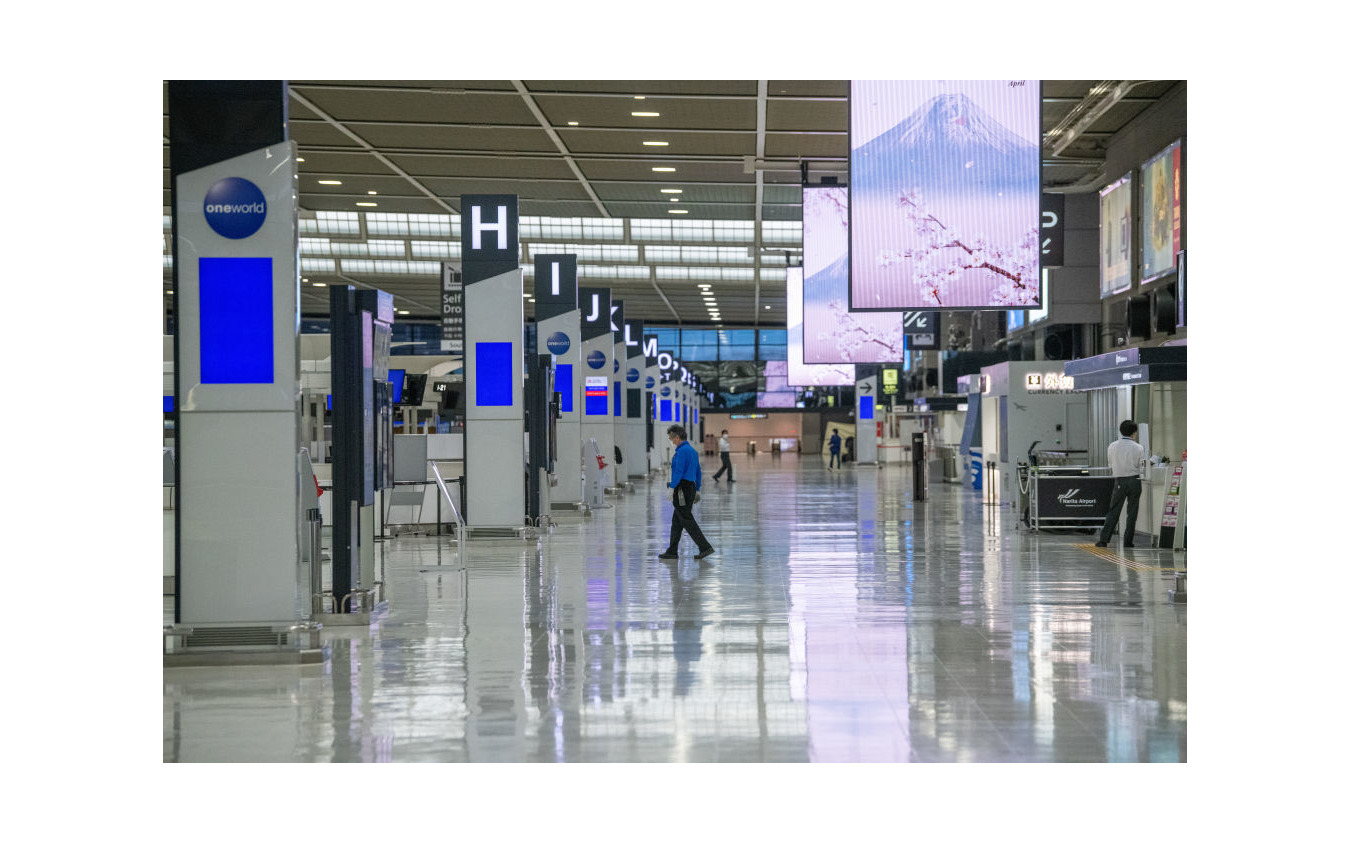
1052, 230
1152, 373
555, 285
1073, 497
632, 337
921, 322
489, 235
594, 302
616, 323
1125, 358
649, 350
452, 309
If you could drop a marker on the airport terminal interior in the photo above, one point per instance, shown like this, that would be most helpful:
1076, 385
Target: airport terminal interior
425, 343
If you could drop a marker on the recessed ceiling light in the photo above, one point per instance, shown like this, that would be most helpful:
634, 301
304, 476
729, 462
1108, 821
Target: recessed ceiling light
663, 169
672, 190
678, 210
170, 292
656, 143
368, 204
639, 98
320, 284
674, 199
766, 307
300, 160
329, 182
371, 193
405, 313
646, 114
573, 123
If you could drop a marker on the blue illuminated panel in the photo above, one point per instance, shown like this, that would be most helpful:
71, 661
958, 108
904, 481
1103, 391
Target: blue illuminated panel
236, 320
396, 381
168, 404
492, 379
597, 396
562, 382
865, 407
665, 410
696, 416
618, 399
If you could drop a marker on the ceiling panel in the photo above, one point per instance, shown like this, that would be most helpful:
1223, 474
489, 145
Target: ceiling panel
802, 115
537, 190
531, 208
679, 143
617, 112
319, 134
415, 84
405, 204
484, 166
649, 88
421, 107
785, 145
809, 88
691, 192
454, 138
324, 164
696, 210
686, 170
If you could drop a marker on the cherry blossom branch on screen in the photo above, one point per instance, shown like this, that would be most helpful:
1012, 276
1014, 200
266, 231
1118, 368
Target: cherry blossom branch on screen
934, 271
851, 338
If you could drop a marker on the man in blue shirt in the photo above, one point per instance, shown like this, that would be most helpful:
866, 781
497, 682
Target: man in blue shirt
835, 442
686, 478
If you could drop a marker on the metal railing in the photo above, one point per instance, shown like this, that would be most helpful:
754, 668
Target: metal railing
460, 526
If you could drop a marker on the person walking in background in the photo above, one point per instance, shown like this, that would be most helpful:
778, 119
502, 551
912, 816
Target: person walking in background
835, 444
686, 478
1126, 458
724, 447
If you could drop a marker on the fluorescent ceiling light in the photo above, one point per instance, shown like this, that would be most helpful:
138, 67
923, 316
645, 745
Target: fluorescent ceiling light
656, 143
300, 160
766, 307
573, 123
405, 313
329, 182
369, 204
639, 98
646, 114
663, 169
320, 284
677, 210
672, 190
674, 199
371, 193
170, 292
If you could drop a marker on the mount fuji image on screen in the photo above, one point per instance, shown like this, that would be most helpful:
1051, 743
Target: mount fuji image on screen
945, 202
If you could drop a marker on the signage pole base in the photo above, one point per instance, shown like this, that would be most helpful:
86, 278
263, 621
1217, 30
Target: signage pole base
1177, 595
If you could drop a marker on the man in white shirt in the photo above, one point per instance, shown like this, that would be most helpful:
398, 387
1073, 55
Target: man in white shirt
724, 446
1126, 458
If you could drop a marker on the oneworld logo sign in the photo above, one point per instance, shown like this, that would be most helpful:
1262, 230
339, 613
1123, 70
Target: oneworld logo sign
235, 208
595, 359
559, 343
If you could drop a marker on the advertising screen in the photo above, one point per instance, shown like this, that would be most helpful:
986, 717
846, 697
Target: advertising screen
945, 194
831, 334
776, 392
1160, 195
1114, 237
802, 374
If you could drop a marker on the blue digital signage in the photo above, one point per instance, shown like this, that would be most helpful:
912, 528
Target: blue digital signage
236, 320
492, 380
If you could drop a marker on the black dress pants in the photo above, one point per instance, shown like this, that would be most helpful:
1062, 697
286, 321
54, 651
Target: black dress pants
682, 518
1125, 490
726, 466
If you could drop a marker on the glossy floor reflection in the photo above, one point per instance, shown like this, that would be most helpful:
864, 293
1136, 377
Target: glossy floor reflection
841, 621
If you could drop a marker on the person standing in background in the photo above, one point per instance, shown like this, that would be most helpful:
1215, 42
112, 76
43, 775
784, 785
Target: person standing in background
724, 447
1126, 458
686, 477
835, 444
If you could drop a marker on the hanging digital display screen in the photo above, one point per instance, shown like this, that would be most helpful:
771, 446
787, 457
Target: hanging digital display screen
945, 194
831, 334
1160, 195
1114, 237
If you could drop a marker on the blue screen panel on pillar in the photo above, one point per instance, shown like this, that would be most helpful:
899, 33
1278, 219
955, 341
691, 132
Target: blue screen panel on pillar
494, 361
597, 361
558, 314
865, 435
633, 438
237, 291
650, 381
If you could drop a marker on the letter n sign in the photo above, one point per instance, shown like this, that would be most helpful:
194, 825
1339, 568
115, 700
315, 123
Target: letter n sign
489, 232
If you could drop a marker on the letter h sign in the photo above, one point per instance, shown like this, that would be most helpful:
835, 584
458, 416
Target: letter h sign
491, 227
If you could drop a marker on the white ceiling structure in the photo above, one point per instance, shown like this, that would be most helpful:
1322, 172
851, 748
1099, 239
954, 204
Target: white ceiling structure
667, 191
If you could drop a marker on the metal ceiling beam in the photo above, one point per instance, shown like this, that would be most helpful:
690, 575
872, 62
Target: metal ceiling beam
562, 148
298, 97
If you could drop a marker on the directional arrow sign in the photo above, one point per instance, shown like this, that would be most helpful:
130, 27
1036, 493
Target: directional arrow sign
865, 386
920, 322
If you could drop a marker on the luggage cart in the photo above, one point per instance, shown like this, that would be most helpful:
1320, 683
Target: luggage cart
1065, 497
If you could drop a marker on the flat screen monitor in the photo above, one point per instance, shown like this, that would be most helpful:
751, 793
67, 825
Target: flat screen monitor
1114, 236
396, 381
414, 387
831, 336
945, 184
597, 395
1160, 196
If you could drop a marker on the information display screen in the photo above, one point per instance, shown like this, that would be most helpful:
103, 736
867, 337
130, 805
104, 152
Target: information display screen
1160, 195
945, 182
492, 381
396, 381
562, 383
236, 320
597, 395
830, 334
1114, 237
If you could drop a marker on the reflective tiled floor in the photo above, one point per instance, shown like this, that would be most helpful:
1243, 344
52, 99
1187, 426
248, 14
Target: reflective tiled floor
841, 621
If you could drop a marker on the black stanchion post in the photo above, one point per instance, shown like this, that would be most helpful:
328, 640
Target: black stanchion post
920, 483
